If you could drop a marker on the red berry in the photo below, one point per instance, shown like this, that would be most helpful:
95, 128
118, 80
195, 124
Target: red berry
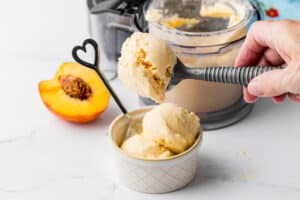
272, 12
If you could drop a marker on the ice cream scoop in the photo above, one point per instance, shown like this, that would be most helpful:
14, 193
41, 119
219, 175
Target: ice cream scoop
150, 67
226, 74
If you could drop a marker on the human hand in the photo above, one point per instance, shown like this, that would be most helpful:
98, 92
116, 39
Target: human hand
273, 43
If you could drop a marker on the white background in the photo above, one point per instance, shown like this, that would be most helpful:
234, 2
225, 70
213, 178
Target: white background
42, 157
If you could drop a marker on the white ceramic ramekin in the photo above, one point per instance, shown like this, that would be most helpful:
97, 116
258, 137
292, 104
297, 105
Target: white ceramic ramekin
151, 176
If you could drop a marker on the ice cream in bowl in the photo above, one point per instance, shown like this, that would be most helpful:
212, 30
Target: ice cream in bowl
161, 154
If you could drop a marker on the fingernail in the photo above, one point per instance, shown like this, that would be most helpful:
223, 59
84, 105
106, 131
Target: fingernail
255, 88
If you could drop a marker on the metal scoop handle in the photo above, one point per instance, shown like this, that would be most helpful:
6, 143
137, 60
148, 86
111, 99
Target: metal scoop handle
231, 75
224, 74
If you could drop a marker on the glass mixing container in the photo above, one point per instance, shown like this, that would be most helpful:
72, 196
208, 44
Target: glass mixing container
208, 38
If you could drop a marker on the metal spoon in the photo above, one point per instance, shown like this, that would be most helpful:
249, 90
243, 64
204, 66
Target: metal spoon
228, 74
95, 66
132, 126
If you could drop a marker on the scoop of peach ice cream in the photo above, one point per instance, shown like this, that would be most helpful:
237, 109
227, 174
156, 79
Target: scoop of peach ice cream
140, 147
172, 127
145, 65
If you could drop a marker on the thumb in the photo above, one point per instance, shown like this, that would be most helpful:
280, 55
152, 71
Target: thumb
269, 84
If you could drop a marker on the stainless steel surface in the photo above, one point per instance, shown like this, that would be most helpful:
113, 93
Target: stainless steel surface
111, 22
104, 29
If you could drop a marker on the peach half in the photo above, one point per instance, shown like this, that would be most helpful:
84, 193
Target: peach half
76, 93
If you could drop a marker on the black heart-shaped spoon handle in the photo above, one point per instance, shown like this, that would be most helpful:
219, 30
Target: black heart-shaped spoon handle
95, 66
87, 42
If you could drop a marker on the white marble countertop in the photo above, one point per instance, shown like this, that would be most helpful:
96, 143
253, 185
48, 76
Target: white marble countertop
42, 157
